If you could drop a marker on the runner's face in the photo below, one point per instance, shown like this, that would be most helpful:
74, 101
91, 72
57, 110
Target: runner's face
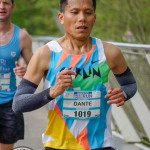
78, 18
6, 8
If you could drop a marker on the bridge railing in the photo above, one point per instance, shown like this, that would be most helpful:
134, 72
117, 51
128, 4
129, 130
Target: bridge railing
132, 120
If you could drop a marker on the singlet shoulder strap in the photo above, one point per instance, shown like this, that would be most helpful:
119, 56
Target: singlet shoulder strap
101, 52
54, 46
16, 31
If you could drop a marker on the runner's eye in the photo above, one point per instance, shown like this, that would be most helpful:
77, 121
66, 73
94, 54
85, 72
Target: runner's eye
74, 12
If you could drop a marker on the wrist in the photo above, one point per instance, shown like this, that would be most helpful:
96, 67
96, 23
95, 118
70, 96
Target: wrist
125, 96
52, 93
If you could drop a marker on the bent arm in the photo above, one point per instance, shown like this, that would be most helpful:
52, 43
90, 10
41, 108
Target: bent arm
127, 83
25, 99
25, 45
123, 74
26, 53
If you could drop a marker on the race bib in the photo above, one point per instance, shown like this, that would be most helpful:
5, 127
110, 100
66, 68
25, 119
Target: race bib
5, 82
81, 104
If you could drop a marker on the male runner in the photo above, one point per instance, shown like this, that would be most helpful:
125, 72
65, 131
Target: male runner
76, 85
14, 42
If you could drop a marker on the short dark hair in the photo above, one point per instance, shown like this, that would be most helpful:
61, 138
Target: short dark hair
12, 1
63, 3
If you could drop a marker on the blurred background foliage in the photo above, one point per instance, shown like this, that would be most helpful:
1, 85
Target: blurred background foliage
117, 20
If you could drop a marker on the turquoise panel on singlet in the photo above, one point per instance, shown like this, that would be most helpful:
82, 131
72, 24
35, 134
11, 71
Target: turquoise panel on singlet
9, 53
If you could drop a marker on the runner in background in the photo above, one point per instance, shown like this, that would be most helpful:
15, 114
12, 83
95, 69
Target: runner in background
14, 42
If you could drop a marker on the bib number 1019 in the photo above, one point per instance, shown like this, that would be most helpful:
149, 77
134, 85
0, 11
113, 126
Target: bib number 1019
82, 114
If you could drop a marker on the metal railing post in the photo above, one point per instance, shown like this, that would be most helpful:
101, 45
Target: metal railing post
148, 55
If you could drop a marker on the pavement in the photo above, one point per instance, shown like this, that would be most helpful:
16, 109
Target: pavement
35, 123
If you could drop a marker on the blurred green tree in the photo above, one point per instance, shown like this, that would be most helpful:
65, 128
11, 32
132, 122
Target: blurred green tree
117, 20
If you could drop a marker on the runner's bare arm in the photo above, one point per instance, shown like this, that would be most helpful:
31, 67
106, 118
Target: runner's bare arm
26, 45
115, 58
38, 64
25, 98
123, 74
26, 53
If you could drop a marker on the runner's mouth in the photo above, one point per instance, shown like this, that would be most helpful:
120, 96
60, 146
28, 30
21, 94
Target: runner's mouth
2, 12
82, 27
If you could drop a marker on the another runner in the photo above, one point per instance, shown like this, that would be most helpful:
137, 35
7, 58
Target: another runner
14, 42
